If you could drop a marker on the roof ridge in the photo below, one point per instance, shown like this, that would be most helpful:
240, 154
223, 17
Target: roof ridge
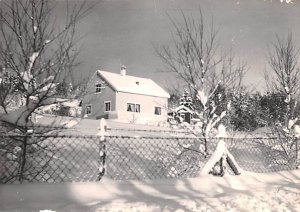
118, 74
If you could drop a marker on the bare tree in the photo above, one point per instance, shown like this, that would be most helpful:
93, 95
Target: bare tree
283, 78
195, 59
36, 53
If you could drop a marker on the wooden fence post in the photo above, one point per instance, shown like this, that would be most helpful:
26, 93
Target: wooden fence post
102, 149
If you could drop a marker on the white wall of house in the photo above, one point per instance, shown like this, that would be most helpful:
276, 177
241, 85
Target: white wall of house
147, 108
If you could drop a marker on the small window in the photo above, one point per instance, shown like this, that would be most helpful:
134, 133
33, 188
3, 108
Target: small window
131, 107
88, 109
107, 106
98, 88
157, 110
137, 108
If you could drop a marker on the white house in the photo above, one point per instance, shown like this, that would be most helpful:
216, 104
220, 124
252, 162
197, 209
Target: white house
125, 98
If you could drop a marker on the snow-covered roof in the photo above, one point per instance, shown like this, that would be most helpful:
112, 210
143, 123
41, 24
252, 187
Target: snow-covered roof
182, 108
131, 84
71, 103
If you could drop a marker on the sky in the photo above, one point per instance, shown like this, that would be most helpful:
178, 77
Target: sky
125, 32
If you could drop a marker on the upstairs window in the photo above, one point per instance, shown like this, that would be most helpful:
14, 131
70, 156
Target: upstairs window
107, 106
98, 88
131, 107
157, 110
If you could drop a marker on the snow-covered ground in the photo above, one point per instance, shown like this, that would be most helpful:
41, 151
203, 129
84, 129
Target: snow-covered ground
77, 126
247, 192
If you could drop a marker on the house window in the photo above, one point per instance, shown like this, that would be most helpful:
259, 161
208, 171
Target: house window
131, 107
107, 106
137, 108
98, 88
88, 109
157, 110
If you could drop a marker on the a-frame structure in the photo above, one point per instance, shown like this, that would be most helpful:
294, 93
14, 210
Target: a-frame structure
220, 157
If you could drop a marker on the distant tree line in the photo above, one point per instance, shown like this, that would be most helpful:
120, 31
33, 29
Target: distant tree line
250, 111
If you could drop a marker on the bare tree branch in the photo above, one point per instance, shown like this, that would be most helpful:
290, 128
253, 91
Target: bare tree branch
36, 54
194, 58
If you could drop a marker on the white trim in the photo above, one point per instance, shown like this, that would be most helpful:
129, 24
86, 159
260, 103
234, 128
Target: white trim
105, 106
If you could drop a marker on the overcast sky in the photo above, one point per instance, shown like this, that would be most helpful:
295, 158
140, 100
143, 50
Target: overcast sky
124, 32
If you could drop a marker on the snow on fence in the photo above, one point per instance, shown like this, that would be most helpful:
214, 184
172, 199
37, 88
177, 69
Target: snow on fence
57, 158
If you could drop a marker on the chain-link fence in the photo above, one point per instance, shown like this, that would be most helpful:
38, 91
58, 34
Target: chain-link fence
78, 158
50, 158
158, 157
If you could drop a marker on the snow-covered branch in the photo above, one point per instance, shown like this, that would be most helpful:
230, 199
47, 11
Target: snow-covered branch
36, 54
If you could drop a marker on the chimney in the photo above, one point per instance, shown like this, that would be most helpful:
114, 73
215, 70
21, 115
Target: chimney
123, 70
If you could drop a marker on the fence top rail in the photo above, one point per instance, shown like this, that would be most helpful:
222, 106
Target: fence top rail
192, 137
180, 130
50, 136
136, 137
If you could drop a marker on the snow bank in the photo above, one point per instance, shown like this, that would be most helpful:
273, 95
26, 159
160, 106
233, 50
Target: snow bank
261, 192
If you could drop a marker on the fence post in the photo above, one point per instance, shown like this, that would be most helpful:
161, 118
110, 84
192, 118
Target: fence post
102, 149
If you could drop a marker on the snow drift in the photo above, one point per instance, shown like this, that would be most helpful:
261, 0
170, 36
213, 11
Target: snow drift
275, 191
